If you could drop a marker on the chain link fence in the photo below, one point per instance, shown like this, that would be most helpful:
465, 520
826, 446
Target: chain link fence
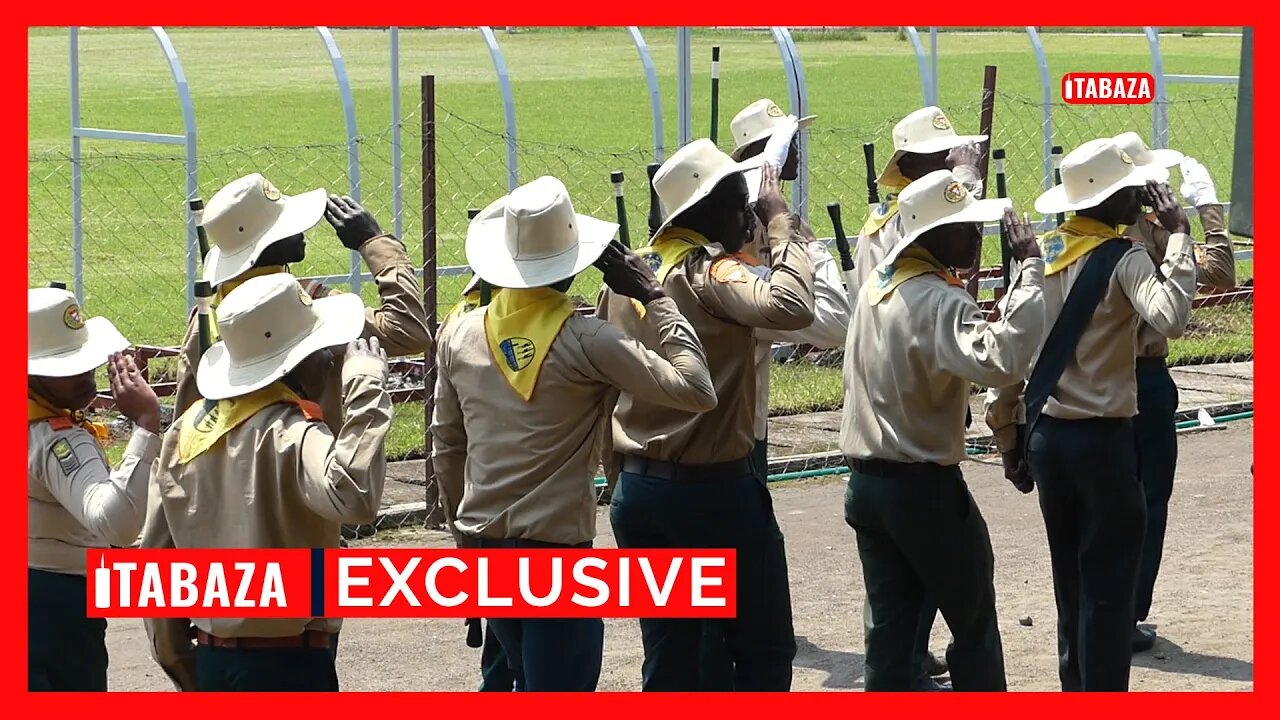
134, 251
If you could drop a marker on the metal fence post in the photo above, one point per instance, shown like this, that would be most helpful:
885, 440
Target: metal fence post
655, 95
799, 106
77, 198
922, 66
1160, 109
397, 187
684, 84
1046, 105
353, 140
508, 105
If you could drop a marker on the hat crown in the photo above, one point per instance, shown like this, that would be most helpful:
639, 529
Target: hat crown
540, 220
931, 199
54, 322
1094, 165
928, 123
239, 214
755, 120
264, 317
684, 174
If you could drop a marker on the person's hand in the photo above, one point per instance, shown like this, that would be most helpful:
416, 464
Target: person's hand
964, 155
627, 275
1016, 472
133, 396
1022, 241
770, 202
370, 348
354, 225
1197, 186
778, 147
1168, 210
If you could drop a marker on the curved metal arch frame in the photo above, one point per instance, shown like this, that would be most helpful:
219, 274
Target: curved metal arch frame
928, 83
397, 184
798, 92
1160, 109
508, 105
1046, 104
655, 94
353, 137
187, 140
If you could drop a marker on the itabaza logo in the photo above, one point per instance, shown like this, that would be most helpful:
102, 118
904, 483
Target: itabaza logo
1108, 88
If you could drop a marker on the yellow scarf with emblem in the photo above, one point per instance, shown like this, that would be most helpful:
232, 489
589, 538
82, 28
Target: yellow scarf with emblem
205, 423
913, 262
883, 213
666, 252
1073, 240
469, 302
520, 325
39, 409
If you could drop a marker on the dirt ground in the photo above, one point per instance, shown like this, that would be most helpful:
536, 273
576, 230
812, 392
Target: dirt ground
1203, 608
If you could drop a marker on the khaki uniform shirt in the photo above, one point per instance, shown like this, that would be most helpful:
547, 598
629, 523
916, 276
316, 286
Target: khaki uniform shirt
725, 311
830, 314
508, 468
400, 325
276, 481
75, 501
1099, 381
909, 362
1215, 263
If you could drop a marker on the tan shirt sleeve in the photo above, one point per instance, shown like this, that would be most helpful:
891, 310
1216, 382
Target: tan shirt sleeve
1164, 303
681, 380
448, 437
400, 323
170, 638
109, 503
1004, 410
1216, 258
186, 394
998, 353
342, 477
783, 302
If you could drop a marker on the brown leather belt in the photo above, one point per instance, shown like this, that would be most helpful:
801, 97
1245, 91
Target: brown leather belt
308, 639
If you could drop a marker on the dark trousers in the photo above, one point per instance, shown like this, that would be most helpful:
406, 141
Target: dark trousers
66, 651
229, 669
920, 535
1156, 437
1094, 512
718, 512
928, 613
495, 669
549, 654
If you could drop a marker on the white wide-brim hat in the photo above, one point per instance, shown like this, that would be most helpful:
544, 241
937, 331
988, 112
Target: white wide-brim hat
62, 344
923, 132
1131, 142
533, 238
268, 326
1094, 172
939, 199
758, 121
689, 176
248, 216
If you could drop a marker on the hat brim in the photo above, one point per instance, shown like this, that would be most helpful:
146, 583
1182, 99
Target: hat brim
301, 213
490, 260
752, 169
1160, 157
803, 123
103, 340
979, 211
892, 176
340, 319
472, 284
1055, 200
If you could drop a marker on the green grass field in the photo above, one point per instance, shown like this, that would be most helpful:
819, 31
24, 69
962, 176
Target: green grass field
266, 100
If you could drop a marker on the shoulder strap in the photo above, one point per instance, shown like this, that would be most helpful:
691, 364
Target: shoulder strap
1060, 347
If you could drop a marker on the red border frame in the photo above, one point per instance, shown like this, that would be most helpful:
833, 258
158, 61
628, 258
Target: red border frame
13, 44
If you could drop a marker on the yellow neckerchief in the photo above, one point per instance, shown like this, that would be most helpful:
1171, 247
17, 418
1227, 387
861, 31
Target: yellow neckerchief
666, 251
882, 213
1072, 240
520, 325
40, 409
225, 289
913, 262
207, 421
469, 302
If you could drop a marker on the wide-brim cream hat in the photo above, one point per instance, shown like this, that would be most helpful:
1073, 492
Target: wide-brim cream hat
60, 341
939, 199
923, 132
1131, 142
534, 238
1094, 172
689, 176
268, 325
248, 216
758, 121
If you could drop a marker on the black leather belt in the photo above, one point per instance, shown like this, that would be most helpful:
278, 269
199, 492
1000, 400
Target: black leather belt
663, 470
905, 470
1152, 362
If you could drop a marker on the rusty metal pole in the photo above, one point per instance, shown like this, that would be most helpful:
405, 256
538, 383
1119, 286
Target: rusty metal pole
435, 513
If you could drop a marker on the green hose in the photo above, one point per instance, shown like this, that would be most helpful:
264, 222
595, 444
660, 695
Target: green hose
843, 469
